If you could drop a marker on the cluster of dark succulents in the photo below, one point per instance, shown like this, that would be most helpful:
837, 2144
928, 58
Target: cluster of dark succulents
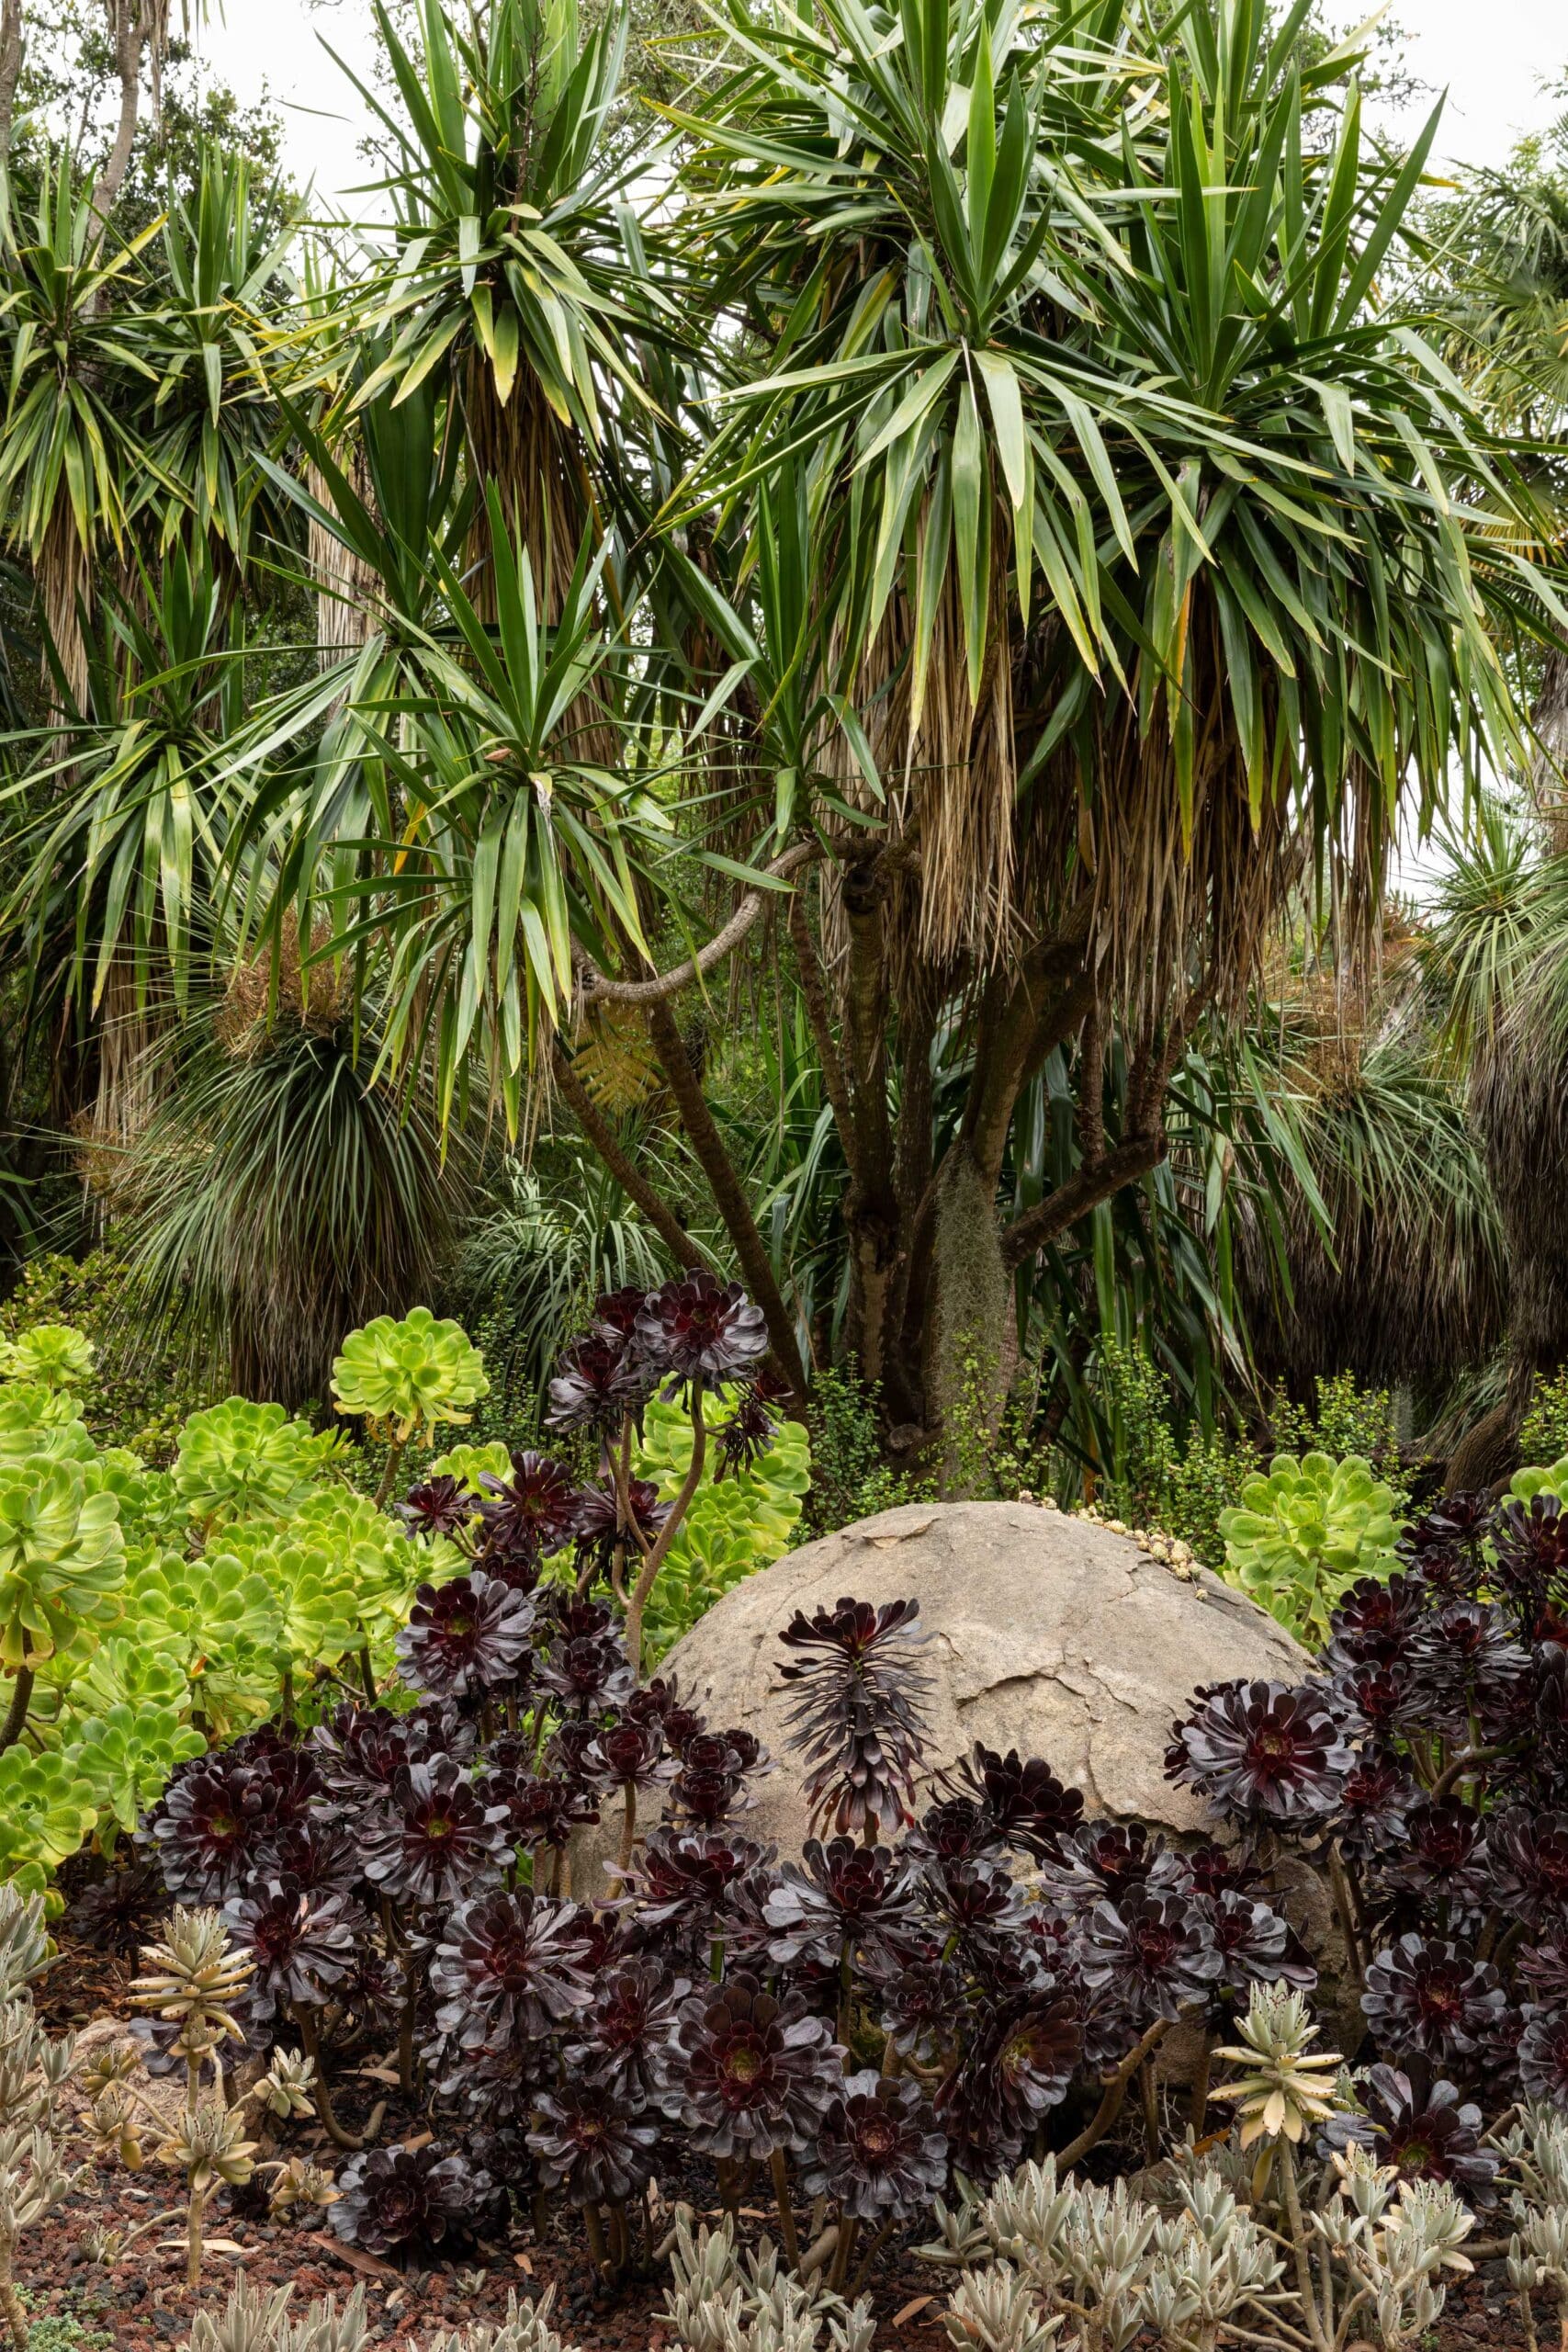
413, 1871
961, 1966
1424, 1769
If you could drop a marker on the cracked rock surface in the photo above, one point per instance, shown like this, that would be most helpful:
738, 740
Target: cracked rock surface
1050, 1635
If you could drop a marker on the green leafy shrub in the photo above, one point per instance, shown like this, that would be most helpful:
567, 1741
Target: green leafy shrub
1304, 1533
143, 1381
850, 1477
1543, 1433
1348, 1421
237, 1457
736, 1525
409, 1377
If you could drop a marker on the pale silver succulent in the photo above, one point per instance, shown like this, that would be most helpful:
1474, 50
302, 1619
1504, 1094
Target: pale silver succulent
995, 2310
720, 2303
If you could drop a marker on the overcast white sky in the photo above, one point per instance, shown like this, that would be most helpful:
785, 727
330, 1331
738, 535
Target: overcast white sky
1490, 55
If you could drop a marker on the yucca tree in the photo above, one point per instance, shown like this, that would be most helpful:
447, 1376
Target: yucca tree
222, 347
508, 279
1131, 547
75, 458
1076, 568
1501, 284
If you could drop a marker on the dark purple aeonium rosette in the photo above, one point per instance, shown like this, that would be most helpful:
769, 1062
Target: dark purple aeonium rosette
598, 2148
221, 1818
754, 2073
442, 1506
1431, 1999
507, 1965
469, 1636
628, 2032
396, 2201
1155, 1952
433, 1839
531, 1514
878, 2154
600, 1525
1421, 2126
844, 1900
1023, 1803
1262, 1752
858, 1719
696, 1327
304, 1946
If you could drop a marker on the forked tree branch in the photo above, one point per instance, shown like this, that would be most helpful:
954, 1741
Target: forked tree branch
598, 988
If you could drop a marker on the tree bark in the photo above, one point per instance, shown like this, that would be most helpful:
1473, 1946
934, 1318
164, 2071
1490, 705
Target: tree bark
729, 1194
12, 52
129, 33
635, 1186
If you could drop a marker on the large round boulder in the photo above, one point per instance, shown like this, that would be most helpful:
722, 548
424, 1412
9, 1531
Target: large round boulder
1049, 1634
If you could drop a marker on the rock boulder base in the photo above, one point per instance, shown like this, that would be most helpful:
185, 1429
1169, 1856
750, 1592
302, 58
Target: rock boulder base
1050, 1635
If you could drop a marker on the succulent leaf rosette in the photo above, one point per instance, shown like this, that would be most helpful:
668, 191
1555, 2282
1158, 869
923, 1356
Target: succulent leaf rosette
62, 1559
409, 1376
239, 1458
1302, 1535
54, 1355
47, 1810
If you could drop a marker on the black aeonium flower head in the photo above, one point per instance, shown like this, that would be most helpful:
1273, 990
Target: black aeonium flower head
115, 1912
1543, 2056
754, 2073
592, 2144
433, 1839
442, 1506
686, 1876
590, 1673
531, 1514
1155, 1952
877, 2152
358, 1751
304, 1946
1375, 1800
1530, 1852
1443, 1853
507, 1965
1531, 1565
221, 1818
1256, 1946
468, 1636
596, 1383
599, 1528
1021, 2062
1429, 1998
843, 1898
393, 2201
628, 1755
1021, 1799
1419, 2124
745, 1436
1262, 1751
694, 1325
859, 1720
627, 2031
